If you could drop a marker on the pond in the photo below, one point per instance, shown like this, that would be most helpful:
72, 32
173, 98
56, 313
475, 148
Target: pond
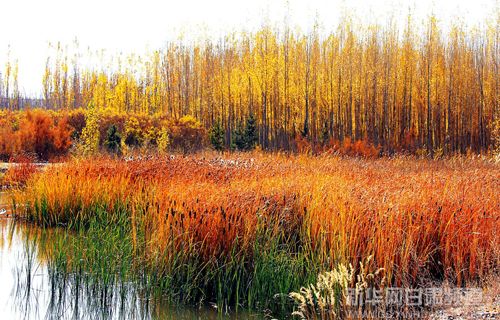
33, 288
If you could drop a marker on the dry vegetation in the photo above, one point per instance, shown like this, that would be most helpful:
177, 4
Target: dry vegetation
220, 220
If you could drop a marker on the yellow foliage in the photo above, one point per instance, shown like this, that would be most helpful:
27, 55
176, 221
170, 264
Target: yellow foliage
190, 122
133, 131
163, 141
89, 139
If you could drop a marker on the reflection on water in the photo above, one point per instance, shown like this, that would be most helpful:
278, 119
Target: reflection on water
32, 285
4, 203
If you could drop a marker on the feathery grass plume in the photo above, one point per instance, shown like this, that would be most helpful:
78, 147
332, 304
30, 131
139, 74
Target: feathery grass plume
328, 299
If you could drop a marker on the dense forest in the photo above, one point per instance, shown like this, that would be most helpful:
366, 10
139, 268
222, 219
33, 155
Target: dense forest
417, 86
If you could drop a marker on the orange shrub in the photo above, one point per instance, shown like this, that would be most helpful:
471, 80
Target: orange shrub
62, 136
40, 126
37, 132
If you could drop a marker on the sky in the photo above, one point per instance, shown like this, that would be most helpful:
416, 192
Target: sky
28, 26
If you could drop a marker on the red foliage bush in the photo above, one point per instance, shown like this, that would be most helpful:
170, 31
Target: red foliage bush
34, 132
62, 137
359, 148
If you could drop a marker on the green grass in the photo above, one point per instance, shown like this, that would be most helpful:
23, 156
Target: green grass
100, 255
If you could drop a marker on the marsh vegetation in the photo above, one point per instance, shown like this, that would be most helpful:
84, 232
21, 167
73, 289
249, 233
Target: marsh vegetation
243, 231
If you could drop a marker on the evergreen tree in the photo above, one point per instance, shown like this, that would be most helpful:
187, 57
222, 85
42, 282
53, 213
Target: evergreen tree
305, 130
114, 139
216, 137
325, 134
238, 141
251, 133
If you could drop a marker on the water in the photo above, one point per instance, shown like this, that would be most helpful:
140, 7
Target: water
31, 288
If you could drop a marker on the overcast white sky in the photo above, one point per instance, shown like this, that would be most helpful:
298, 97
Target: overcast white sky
131, 26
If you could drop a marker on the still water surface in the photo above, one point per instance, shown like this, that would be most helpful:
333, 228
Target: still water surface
30, 290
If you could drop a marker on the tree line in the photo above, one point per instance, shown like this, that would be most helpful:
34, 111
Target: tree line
421, 86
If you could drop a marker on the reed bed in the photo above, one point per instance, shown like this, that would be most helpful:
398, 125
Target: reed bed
241, 228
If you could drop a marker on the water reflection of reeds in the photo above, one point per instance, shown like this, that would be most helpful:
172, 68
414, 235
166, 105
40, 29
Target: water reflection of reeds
81, 278
60, 274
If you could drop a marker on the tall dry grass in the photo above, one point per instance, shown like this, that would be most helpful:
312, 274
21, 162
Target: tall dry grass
245, 227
